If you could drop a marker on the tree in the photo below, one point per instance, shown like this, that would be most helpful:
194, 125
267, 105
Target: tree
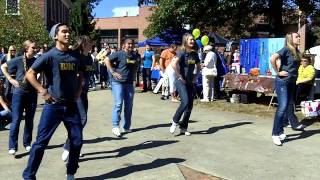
81, 18
27, 24
229, 17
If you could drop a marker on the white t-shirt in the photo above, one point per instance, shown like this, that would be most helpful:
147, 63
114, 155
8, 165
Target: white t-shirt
316, 50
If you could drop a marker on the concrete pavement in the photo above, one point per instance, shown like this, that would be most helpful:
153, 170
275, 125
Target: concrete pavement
224, 144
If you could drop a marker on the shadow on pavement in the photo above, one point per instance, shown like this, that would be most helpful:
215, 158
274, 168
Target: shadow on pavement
102, 139
135, 168
126, 150
152, 127
19, 156
217, 128
302, 135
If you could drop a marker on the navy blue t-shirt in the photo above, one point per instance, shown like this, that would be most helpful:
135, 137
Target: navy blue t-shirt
61, 71
17, 66
88, 72
289, 64
187, 63
125, 64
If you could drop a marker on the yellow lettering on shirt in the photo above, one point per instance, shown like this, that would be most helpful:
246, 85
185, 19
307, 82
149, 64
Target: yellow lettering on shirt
67, 67
191, 61
89, 68
131, 61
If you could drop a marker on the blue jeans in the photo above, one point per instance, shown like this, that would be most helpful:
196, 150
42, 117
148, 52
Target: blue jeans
285, 96
122, 93
186, 92
51, 117
20, 103
82, 105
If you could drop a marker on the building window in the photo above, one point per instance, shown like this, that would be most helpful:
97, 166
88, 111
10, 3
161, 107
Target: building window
12, 7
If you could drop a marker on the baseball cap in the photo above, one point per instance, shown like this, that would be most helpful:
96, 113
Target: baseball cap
54, 30
207, 48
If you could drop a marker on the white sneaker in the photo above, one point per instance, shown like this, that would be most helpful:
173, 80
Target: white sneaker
28, 148
204, 100
282, 136
173, 127
12, 151
288, 126
70, 177
276, 140
185, 132
65, 155
116, 131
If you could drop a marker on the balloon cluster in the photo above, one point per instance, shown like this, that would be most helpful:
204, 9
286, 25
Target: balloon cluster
203, 41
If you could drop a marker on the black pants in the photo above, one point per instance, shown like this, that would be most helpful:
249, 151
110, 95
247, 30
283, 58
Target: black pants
146, 76
303, 92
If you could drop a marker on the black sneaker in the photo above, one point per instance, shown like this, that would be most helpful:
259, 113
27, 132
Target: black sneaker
163, 98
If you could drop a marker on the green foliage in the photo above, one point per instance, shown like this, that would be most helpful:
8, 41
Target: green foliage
231, 18
29, 24
81, 19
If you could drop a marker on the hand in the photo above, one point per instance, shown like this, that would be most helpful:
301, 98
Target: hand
182, 80
46, 96
6, 108
14, 82
283, 73
116, 75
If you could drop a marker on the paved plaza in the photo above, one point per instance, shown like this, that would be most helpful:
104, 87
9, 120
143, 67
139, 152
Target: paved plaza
223, 144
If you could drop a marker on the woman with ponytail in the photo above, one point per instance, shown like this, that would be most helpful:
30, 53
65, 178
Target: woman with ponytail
24, 98
285, 83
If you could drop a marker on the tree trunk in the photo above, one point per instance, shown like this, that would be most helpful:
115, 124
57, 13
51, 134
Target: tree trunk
275, 16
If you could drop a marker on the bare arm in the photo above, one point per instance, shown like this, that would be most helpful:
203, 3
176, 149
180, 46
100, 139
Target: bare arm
273, 61
4, 68
176, 68
31, 76
109, 67
162, 64
153, 62
3, 104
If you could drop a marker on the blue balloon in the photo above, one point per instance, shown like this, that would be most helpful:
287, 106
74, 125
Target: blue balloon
198, 41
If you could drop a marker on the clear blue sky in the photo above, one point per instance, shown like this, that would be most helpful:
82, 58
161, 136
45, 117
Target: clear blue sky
104, 9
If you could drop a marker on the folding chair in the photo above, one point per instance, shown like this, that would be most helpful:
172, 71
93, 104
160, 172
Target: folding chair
273, 95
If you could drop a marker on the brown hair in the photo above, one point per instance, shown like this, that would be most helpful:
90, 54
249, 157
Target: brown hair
184, 45
79, 42
307, 57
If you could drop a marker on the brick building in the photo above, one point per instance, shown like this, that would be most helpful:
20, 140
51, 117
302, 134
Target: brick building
53, 11
113, 29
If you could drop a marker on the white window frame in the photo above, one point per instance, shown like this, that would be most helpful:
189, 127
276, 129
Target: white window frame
17, 13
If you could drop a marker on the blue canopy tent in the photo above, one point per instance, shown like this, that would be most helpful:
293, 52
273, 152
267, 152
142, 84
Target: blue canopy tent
166, 38
217, 39
156, 41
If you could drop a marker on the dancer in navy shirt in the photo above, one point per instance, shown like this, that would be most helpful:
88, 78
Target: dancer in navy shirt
63, 70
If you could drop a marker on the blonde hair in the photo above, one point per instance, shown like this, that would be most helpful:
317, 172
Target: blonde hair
26, 45
289, 44
12, 47
184, 45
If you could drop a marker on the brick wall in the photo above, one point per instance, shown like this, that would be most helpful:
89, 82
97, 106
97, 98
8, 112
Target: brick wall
133, 22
